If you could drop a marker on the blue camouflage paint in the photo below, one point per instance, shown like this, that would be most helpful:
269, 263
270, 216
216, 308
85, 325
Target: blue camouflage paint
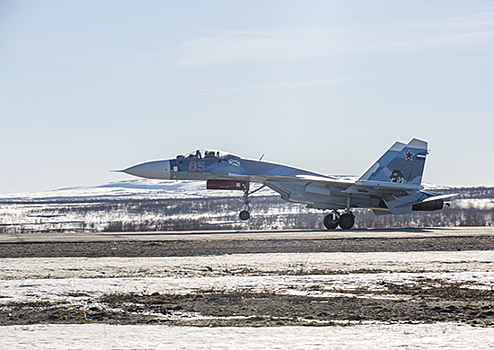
390, 185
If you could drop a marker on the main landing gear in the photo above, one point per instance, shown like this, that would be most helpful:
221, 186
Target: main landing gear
244, 214
345, 220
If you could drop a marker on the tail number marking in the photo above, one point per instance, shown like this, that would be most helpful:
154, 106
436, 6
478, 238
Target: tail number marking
197, 166
406, 164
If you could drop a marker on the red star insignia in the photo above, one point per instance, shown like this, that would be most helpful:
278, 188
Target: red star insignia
409, 155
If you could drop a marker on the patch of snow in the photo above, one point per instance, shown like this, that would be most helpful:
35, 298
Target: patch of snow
66, 289
246, 264
29, 279
357, 337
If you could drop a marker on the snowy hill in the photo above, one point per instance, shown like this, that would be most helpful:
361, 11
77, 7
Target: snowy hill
129, 189
152, 205
140, 189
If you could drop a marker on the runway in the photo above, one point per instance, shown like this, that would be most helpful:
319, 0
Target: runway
248, 235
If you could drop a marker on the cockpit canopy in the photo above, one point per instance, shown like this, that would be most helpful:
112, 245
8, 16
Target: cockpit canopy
203, 153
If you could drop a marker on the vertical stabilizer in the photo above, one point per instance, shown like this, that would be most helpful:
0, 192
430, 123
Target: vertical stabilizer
402, 163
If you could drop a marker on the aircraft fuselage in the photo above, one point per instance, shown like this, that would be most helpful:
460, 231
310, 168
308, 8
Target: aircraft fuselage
390, 186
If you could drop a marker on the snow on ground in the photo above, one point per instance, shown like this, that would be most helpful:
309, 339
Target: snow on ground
359, 337
272, 263
73, 289
77, 279
71, 279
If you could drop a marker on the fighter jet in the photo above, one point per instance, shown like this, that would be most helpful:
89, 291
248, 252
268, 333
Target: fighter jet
392, 185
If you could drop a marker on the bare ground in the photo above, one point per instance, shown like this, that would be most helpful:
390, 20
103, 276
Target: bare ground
241, 246
427, 302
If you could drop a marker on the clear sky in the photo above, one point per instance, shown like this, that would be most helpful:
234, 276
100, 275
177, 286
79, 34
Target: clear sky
89, 86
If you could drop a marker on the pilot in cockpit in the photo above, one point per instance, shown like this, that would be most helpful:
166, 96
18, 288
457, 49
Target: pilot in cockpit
209, 154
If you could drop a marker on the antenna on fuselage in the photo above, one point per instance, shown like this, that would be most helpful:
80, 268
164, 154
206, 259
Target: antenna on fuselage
261, 156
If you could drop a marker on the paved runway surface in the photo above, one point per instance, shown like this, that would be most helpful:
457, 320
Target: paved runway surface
246, 235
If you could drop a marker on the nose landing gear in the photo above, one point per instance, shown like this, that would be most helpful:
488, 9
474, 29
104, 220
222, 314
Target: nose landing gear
244, 214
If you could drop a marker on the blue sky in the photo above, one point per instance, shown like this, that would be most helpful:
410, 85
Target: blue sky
90, 86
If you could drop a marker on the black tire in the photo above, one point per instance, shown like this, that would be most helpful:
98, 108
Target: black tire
244, 215
330, 222
346, 221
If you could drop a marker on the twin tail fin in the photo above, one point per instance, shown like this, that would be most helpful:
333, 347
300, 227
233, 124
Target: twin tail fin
401, 164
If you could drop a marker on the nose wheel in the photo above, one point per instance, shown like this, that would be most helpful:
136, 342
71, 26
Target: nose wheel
244, 215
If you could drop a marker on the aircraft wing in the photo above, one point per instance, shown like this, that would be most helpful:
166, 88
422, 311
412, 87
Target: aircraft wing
352, 186
399, 197
301, 179
380, 186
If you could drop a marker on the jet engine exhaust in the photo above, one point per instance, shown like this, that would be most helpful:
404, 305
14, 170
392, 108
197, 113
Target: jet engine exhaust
428, 206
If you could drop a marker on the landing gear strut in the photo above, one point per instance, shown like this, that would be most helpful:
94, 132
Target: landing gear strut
244, 214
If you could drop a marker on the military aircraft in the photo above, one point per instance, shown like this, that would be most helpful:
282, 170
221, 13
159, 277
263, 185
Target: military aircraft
390, 186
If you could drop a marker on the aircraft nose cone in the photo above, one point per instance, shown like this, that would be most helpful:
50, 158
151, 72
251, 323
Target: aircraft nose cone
151, 170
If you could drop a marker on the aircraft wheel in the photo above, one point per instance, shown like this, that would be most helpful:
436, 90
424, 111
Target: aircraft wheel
330, 221
346, 221
244, 215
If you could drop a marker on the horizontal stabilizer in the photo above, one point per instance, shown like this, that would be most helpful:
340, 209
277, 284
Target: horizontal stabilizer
394, 207
380, 212
444, 197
